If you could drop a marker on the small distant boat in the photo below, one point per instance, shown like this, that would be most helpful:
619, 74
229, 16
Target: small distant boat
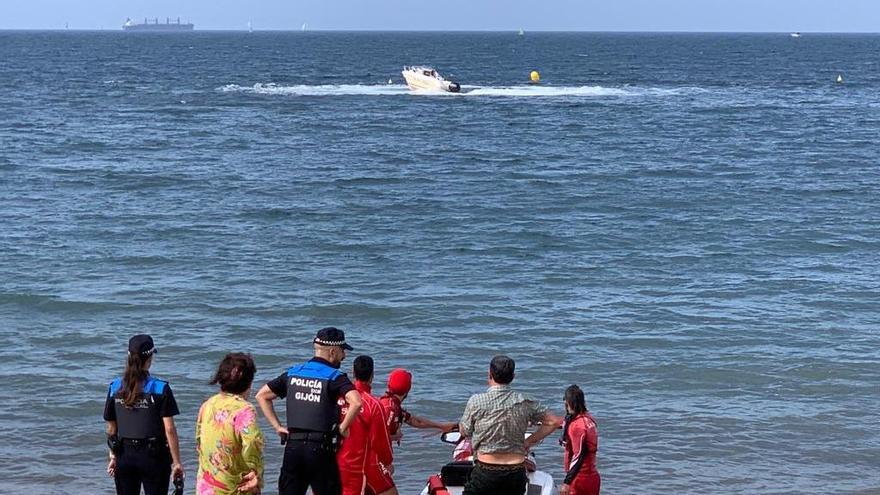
521, 32
795, 35
250, 27
305, 26
428, 79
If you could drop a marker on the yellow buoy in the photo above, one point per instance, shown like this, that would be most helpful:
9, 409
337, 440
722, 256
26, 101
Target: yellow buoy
535, 76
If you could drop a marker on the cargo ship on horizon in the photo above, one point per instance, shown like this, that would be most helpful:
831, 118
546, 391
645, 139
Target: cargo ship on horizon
152, 25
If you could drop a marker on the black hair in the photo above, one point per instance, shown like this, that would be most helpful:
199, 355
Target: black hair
574, 397
235, 373
363, 368
501, 369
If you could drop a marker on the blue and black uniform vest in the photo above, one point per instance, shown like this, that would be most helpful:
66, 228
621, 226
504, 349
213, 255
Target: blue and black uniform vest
309, 404
143, 420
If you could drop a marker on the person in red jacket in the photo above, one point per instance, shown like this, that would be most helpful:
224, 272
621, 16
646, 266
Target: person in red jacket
368, 442
379, 476
581, 441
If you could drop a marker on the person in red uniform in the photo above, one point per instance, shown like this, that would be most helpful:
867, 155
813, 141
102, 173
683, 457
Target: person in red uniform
368, 442
581, 441
379, 476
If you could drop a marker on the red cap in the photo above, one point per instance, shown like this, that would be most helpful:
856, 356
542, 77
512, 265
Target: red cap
399, 381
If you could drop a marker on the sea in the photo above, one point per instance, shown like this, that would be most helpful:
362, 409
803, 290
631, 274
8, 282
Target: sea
685, 225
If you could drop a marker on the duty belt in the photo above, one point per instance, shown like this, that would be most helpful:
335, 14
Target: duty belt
140, 442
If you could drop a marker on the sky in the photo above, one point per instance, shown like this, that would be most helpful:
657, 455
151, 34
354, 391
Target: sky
490, 15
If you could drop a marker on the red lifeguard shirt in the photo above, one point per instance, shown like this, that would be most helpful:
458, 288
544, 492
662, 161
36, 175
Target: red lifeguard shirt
581, 443
368, 437
395, 414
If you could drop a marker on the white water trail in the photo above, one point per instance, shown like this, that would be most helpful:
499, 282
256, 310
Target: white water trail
524, 91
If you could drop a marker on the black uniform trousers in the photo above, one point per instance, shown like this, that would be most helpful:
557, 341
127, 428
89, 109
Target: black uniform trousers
309, 463
492, 479
142, 465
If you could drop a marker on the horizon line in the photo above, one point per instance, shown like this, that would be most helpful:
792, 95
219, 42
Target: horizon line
342, 30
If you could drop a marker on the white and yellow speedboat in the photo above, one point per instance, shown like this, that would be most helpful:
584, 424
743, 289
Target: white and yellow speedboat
420, 78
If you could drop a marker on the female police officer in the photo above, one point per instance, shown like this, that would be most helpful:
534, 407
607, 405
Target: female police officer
139, 411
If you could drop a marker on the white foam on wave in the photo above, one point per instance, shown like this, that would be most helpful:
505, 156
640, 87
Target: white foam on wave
524, 91
546, 91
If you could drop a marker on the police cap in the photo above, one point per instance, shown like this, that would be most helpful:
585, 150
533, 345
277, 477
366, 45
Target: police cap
141, 344
332, 336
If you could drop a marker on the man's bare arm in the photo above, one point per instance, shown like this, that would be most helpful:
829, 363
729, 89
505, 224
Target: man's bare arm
549, 423
419, 422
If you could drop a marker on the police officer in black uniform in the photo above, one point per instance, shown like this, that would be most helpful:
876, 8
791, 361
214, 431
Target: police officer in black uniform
139, 411
313, 419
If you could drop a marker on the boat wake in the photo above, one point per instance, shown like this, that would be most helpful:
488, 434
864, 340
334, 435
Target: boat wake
547, 91
524, 91
319, 90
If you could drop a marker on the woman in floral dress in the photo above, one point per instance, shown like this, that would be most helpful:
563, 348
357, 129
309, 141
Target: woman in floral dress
228, 440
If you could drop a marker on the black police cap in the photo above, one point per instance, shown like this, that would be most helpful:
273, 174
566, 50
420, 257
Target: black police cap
141, 344
332, 336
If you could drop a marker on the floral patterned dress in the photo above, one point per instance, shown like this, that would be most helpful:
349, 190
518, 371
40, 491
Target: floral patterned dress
229, 443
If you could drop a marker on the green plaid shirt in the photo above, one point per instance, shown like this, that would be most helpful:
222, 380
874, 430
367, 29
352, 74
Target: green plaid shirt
497, 420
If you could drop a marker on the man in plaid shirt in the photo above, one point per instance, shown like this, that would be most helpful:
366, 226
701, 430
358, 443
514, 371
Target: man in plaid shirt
496, 422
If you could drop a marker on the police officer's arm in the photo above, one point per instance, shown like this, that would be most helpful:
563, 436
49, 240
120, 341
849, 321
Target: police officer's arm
354, 407
112, 429
274, 389
173, 445
111, 464
167, 410
265, 396
111, 432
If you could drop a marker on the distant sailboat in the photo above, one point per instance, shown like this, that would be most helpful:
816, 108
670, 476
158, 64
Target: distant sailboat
521, 32
305, 26
250, 27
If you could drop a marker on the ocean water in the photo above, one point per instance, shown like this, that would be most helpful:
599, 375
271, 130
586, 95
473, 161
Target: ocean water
685, 225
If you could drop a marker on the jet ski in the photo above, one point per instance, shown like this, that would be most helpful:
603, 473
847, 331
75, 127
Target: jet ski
453, 476
421, 78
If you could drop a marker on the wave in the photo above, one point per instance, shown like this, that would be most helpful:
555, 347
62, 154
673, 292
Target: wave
467, 91
53, 303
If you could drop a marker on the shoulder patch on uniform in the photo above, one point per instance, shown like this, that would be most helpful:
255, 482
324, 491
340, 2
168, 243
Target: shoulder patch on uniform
115, 386
155, 386
312, 369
